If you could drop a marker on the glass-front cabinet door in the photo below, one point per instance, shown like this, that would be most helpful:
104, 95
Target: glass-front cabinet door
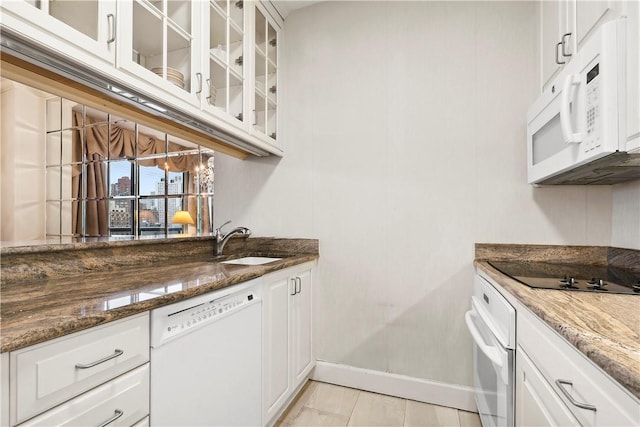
159, 44
89, 24
266, 75
225, 58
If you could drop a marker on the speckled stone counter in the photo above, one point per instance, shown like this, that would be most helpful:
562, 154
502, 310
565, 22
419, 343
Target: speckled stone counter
606, 328
54, 291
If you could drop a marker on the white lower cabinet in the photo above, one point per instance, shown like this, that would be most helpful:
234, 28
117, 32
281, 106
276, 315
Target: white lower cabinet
83, 374
287, 336
558, 385
302, 352
120, 402
537, 405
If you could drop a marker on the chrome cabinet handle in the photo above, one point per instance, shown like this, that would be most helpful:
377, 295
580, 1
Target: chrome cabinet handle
97, 362
558, 60
111, 19
561, 384
117, 414
298, 285
209, 84
564, 43
294, 286
199, 77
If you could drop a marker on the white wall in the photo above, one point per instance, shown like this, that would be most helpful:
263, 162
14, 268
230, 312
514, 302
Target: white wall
626, 216
405, 144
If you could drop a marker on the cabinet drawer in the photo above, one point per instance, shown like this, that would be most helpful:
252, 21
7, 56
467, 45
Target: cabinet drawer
47, 374
558, 360
123, 401
537, 405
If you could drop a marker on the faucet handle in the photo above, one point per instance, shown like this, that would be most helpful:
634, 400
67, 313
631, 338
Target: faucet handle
220, 228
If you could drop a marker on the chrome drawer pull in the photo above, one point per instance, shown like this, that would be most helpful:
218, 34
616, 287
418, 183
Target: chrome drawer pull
117, 414
561, 383
97, 362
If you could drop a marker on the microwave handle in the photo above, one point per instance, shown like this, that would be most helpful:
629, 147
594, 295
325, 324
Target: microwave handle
491, 352
571, 81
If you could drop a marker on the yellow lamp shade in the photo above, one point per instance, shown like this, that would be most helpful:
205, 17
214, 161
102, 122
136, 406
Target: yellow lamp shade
182, 217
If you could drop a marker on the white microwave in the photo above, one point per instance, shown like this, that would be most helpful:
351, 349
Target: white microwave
576, 128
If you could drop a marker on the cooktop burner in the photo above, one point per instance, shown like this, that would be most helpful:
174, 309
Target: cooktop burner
572, 277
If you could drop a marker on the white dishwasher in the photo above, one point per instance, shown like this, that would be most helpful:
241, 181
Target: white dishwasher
206, 359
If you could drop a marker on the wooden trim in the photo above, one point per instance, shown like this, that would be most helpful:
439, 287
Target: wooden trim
26, 73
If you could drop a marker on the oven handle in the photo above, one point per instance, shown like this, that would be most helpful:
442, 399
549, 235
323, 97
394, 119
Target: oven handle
491, 352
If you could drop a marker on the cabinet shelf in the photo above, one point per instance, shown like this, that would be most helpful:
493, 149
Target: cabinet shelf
261, 94
235, 27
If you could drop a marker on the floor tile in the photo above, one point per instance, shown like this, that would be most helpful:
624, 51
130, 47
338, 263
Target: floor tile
424, 414
377, 410
313, 417
469, 419
333, 398
296, 406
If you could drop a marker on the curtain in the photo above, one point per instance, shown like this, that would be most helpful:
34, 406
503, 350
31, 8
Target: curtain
120, 144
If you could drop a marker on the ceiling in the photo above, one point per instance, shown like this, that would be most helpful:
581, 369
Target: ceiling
287, 6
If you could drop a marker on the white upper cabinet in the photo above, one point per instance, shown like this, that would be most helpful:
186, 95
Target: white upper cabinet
589, 13
565, 25
265, 73
213, 60
224, 58
81, 29
158, 43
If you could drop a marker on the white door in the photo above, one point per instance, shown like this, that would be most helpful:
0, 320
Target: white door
84, 30
301, 326
160, 43
276, 345
588, 14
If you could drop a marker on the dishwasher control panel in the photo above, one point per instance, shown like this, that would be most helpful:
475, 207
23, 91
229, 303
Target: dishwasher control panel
183, 320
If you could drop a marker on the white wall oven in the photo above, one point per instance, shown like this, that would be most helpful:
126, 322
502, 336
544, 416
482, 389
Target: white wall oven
492, 324
576, 128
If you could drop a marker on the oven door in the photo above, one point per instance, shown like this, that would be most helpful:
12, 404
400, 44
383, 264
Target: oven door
493, 373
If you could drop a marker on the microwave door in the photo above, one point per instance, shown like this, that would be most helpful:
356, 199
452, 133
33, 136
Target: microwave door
548, 150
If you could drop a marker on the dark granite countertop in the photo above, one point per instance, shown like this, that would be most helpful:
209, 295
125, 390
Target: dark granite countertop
40, 302
605, 328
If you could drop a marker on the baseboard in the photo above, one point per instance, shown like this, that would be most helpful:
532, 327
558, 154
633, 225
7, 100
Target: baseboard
437, 393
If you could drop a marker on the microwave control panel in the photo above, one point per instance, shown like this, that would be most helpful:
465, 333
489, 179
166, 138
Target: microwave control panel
593, 131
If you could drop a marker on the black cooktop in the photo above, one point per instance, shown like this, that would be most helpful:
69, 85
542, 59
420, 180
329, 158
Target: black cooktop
572, 277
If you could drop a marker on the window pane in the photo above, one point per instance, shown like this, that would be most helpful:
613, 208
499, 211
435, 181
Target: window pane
177, 185
151, 216
121, 217
120, 178
152, 181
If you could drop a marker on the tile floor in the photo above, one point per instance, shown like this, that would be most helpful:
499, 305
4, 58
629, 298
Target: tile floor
322, 404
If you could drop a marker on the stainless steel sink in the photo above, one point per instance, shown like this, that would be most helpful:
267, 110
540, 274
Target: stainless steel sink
251, 260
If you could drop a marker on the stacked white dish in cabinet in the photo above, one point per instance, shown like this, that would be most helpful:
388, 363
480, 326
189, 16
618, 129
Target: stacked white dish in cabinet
93, 377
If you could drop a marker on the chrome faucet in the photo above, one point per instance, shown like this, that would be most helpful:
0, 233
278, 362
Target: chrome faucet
222, 239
